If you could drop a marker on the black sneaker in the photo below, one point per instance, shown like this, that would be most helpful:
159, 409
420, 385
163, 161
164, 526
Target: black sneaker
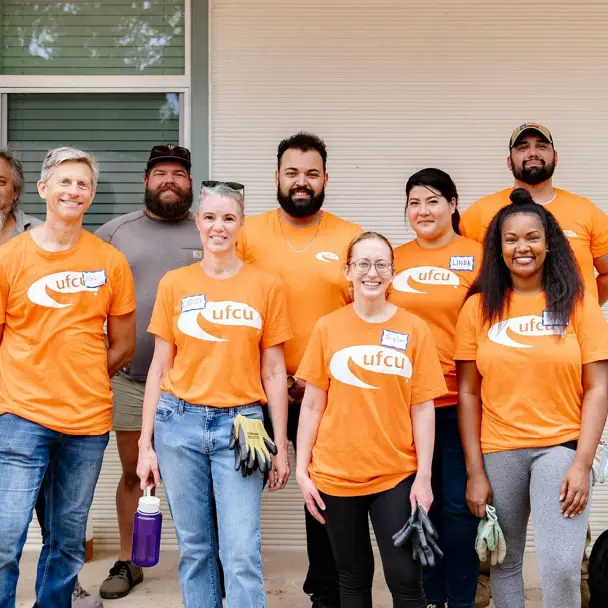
123, 577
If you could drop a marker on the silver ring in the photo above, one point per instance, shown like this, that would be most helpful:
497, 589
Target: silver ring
279, 481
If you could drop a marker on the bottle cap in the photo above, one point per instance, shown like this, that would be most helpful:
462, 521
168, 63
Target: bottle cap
149, 504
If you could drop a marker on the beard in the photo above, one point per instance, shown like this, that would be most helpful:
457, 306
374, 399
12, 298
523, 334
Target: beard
173, 210
532, 176
300, 208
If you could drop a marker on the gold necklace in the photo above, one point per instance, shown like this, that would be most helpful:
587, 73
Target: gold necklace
314, 236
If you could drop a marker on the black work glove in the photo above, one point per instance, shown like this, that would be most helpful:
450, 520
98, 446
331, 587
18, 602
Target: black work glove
424, 538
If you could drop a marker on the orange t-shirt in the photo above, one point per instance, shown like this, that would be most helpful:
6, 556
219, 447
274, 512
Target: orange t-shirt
53, 358
433, 283
314, 277
219, 327
582, 221
531, 387
373, 373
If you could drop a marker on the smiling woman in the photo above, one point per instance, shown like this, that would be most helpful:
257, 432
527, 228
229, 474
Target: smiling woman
434, 273
219, 327
371, 373
533, 444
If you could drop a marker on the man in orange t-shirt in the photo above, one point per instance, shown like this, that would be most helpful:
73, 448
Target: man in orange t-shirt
59, 284
305, 246
532, 160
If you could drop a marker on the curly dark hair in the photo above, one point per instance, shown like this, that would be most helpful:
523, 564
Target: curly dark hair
304, 142
561, 280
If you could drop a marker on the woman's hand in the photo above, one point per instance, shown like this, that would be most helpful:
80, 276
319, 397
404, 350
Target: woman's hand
311, 495
147, 467
280, 471
574, 492
421, 493
478, 494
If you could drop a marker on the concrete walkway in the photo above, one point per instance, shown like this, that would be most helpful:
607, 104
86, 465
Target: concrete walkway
284, 577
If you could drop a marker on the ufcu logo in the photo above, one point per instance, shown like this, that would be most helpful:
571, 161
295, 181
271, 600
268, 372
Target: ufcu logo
64, 282
237, 313
426, 275
219, 313
369, 357
530, 325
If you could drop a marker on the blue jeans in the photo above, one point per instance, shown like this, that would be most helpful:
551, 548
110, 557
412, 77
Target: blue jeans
453, 579
72, 464
191, 443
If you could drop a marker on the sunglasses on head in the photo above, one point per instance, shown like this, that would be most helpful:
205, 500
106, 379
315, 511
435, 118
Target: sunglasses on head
232, 185
171, 151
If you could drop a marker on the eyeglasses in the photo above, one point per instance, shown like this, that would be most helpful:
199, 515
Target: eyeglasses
232, 185
362, 267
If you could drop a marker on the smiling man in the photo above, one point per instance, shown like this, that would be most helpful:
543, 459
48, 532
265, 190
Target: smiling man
12, 219
59, 284
305, 245
532, 160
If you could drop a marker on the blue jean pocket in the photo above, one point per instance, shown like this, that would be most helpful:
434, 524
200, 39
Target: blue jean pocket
253, 410
166, 408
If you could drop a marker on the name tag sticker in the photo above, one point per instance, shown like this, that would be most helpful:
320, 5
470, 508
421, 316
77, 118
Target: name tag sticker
94, 279
462, 262
550, 320
393, 339
194, 302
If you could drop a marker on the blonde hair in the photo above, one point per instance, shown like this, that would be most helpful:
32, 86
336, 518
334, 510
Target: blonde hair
65, 154
366, 236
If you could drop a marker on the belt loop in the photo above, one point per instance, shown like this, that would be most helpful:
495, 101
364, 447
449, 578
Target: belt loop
180, 407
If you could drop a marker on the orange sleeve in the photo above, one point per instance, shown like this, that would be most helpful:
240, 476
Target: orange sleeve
312, 367
599, 232
591, 331
470, 225
123, 287
428, 381
276, 323
161, 322
465, 347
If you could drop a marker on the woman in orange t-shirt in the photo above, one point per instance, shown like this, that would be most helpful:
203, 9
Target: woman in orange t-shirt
532, 360
219, 329
433, 274
366, 430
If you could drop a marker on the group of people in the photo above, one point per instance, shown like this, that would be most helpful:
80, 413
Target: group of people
463, 369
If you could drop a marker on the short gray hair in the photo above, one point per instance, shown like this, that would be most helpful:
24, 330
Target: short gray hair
57, 156
222, 190
18, 180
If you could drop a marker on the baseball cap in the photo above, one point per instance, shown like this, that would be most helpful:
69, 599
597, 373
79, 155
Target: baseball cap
169, 153
530, 126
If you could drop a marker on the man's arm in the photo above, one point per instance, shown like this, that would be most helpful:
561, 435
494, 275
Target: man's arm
601, 265
121, 341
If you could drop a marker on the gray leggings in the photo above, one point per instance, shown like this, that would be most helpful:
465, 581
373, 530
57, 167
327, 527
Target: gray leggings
530, 479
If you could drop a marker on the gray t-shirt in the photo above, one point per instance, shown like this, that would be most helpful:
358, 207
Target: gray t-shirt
152, 248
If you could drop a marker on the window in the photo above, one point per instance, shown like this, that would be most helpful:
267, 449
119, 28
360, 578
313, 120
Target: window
118, 128
108, 37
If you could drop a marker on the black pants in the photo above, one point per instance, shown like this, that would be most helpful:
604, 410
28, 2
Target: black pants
322, 577
348, 527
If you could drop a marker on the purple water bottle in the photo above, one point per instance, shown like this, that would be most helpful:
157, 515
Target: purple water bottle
146, 531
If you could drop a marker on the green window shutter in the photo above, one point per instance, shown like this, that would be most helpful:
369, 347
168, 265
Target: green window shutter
119, 129
87, 37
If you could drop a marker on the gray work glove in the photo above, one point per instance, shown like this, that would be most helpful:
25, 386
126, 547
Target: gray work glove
424, 537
